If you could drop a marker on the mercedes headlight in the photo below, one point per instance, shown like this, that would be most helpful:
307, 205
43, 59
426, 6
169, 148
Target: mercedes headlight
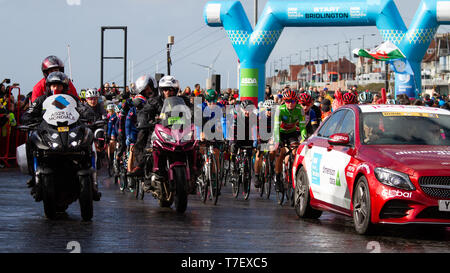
394, 179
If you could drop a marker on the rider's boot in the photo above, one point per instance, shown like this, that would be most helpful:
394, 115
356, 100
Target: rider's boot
279, 182
257, 181
32, 182
96, 195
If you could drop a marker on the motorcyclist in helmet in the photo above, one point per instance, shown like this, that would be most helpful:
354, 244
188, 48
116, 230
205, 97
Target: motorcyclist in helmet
56, 83
49, 65
168, 87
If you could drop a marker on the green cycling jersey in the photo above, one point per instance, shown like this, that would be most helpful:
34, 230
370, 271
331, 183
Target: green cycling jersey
288, 121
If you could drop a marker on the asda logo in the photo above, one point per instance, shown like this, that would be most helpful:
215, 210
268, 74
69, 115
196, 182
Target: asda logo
249, 81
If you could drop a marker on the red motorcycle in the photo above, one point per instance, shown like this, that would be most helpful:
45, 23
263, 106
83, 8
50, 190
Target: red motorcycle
174, 154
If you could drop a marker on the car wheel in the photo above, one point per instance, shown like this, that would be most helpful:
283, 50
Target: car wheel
362, 207
302, 197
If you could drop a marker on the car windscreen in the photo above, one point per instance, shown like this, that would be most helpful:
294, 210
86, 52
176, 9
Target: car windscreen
405, 128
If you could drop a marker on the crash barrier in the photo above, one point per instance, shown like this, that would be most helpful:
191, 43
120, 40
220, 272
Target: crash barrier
253, 47
10, 136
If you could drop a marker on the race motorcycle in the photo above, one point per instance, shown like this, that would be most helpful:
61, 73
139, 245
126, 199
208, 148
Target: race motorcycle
174, 149
63, 158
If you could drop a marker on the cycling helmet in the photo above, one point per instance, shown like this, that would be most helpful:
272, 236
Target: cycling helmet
268, 104
246, 103
110, 107
211, 95
57, 77
139, 101
349, 98
142, 83
305, 98
83, 94
289, 95
51, 62
365, 97
91, 93
169, 81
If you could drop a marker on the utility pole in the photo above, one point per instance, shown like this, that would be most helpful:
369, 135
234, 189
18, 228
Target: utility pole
256, 12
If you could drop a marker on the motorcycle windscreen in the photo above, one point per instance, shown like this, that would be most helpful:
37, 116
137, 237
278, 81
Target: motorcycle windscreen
175, 112
60, 109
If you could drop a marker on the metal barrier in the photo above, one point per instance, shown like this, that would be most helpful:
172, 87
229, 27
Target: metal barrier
12, 139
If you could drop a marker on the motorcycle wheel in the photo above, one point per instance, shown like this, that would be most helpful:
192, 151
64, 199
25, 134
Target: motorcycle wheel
85, 199
49, 196
181, 193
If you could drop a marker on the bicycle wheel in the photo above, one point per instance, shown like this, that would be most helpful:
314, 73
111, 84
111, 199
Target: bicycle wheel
247, 178
268, 176
290, 188
235, 185
262, 176
279, 188
215, 182
204, 187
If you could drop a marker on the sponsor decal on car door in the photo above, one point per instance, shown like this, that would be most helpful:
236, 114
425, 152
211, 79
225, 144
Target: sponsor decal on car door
326, 173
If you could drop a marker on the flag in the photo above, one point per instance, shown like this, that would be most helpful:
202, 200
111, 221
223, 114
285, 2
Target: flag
401, 66
384, 52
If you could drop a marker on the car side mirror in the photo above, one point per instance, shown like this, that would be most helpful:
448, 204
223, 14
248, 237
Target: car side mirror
339, 139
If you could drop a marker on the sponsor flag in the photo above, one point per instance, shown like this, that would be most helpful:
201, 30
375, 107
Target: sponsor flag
401, 66
384, 52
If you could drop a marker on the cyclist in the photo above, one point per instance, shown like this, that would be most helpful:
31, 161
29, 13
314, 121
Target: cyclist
250, 137
312, 120
289, 128
265, 111
146, 88
112, 132
209, 109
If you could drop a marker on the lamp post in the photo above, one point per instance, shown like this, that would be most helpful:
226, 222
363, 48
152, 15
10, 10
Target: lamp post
171, 41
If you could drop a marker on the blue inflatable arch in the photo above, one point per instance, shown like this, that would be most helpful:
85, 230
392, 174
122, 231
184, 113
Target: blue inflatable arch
253, 46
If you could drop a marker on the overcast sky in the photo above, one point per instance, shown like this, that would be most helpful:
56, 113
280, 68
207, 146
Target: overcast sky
31, 30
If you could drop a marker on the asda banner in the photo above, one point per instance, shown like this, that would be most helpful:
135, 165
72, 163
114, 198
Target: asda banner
249, 83
253, 46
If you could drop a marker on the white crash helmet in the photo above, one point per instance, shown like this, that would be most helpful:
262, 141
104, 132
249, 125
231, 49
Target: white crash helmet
91, 93
268, 104
111, 107
142, 82
169, 81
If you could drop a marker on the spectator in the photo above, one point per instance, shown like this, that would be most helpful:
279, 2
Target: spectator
197, 90
325, 106
268, 93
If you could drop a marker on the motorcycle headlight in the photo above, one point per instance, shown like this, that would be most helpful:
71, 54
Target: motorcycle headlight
394, 179
187, 137
167, 137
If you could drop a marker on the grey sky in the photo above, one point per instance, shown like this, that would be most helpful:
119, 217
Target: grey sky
32, 30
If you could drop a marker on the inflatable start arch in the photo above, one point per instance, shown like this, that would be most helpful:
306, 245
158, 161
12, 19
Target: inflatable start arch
253, 46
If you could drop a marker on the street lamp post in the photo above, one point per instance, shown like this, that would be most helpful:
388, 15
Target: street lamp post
170, 42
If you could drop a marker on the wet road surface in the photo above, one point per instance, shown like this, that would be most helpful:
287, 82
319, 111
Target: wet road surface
123, 224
